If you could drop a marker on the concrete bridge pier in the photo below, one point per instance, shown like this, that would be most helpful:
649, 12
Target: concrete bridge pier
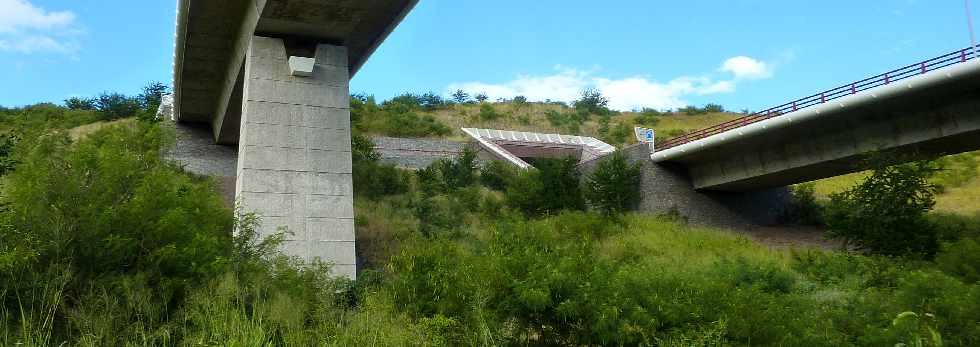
294, 148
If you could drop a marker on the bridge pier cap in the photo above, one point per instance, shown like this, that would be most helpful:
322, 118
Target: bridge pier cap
212, 38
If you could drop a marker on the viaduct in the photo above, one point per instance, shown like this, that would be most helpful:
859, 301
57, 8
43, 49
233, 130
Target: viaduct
270, 78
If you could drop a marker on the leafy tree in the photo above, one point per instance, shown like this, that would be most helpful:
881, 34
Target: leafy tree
80, 104
115, 106
481, 97
592, 102
460, 96
886, 213
713, 108
614, 186
152, 96
519, 101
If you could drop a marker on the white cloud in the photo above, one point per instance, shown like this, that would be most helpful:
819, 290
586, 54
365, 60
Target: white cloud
25, 28
624, 94
746, 68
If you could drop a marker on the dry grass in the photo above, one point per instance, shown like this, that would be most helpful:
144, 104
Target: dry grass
531, 117
87, 129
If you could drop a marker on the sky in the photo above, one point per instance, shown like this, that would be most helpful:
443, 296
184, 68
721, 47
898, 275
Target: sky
743, 54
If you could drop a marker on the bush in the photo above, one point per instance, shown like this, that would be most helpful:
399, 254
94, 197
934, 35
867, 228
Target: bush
614, 186
886, 213
803, 207
372, 178
648, 117
488, 113
551, 187
497, 175
961, 259
397, 117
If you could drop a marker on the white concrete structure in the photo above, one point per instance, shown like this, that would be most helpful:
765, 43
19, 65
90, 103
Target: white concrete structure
294, 156
511, 146
271, 78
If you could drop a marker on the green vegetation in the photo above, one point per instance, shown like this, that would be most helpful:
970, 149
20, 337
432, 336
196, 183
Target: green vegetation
429, 115
613, 187
886, 213
104, 242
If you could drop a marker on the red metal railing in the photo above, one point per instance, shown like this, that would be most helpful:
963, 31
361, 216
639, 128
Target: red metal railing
933, 64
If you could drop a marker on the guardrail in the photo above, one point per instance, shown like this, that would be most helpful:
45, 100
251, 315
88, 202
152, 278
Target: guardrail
933, 64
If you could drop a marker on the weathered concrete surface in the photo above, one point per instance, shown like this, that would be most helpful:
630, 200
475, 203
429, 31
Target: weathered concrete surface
213, 37
196, 151
932, 114
294, 165
667, 189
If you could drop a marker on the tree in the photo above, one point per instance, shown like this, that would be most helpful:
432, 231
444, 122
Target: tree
460, 96
886, 213
614, 186
481, 97
152, 95
116, 106
593, 102
520, 101
80, 104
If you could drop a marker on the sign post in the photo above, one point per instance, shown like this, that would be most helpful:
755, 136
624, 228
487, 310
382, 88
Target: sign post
645, 135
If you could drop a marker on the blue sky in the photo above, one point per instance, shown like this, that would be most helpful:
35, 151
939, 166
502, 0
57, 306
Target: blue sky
740, 53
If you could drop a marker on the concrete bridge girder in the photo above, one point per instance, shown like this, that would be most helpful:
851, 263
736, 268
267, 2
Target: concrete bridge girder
932, 114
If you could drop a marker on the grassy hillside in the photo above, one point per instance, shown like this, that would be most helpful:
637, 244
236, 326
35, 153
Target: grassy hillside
106, 243
416, 116
533, 117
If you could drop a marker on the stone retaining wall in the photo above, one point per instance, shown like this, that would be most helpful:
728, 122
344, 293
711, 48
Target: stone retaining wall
669, 190
415, 153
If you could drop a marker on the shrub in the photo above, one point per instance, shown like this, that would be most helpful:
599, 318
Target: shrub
481, 97
372, 178
961, 259
803, 207
614, 186
648, 117
488, 113
551, 187
459, 172
886, 213
497, 175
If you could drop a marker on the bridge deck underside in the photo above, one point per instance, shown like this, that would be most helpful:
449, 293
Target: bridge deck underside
941, 120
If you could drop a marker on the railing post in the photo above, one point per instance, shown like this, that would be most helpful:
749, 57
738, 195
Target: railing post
794, 106
963, 56
854, 88
923, 67
887, 80
823, 98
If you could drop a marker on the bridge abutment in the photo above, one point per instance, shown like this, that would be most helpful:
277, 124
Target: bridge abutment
294, 164
668, 189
